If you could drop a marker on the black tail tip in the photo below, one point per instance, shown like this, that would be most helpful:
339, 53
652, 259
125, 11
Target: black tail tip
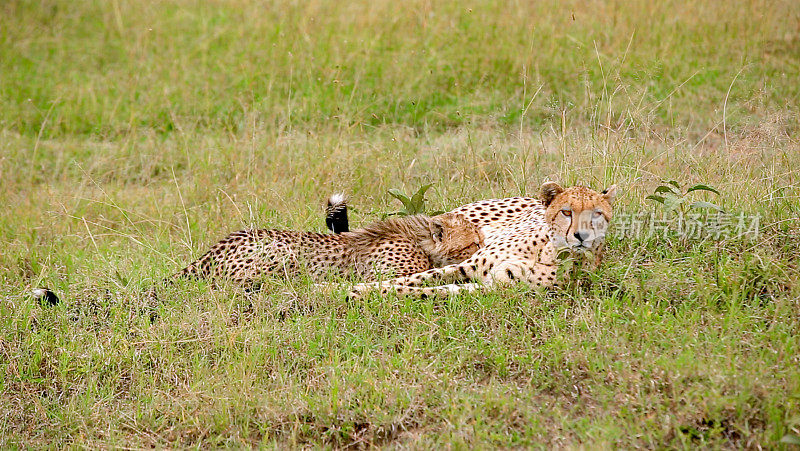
336, 214
45, 296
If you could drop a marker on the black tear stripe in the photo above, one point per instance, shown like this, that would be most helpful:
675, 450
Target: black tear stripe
566, 237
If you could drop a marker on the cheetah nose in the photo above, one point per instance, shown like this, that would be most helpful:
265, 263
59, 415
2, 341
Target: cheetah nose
581, 236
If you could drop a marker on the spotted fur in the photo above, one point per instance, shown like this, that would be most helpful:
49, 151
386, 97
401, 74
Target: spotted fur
393, 247
523, 237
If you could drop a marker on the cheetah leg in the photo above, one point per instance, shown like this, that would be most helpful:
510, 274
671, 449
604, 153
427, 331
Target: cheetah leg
440, 291
530, 272
452, 273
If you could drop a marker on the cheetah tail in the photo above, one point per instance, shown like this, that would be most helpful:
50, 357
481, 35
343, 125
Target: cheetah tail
336, 214
45, 296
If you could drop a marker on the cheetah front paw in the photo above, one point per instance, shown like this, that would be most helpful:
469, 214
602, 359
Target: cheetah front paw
359, 291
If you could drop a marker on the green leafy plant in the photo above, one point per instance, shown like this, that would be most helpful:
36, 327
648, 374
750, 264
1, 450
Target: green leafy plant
572, 272
413, 205
672, 198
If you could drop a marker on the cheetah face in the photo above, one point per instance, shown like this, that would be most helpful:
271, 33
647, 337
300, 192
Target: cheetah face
454, 239
578, 216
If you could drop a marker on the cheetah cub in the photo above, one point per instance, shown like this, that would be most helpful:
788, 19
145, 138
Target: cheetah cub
397, 246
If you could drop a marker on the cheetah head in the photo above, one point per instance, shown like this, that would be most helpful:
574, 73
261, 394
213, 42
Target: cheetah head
453, 239
578, 216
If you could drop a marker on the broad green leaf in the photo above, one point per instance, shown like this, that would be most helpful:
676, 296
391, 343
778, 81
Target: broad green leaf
659, 199
702, 188
672, 202
397, 194
709, 205
675, 184
666, 189
418, 200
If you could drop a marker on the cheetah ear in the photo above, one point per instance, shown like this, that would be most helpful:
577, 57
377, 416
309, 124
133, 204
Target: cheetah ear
549, 191
610, 193
437, 229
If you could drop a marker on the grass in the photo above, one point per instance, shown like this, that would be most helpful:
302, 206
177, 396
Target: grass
135, 135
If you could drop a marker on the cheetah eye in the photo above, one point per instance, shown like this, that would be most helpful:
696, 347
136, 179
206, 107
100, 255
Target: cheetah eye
597, 214
566, 213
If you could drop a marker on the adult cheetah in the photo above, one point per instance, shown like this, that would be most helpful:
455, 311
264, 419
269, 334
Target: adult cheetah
523, 238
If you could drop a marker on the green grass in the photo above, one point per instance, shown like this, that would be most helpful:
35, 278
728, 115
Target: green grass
135, 134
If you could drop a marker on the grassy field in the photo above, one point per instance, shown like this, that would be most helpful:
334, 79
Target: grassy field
135, 134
